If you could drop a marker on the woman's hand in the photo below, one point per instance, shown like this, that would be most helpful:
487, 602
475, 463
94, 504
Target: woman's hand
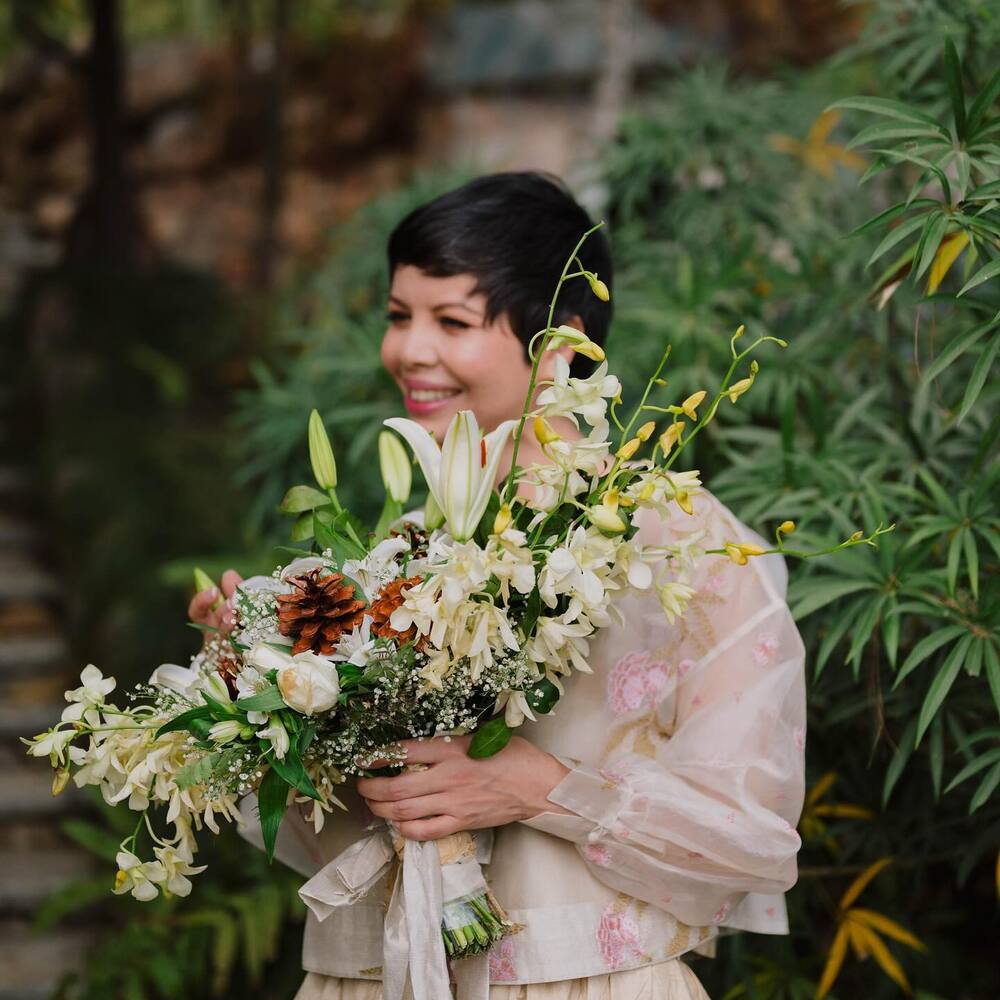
200, 609
457, 792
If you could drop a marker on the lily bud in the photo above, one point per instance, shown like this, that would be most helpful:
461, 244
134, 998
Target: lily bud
644, 432
629, 448
690, 405
598, 287
503, 519
202, 581
433, 515
321, 453
545, 433
397, 473
606, 519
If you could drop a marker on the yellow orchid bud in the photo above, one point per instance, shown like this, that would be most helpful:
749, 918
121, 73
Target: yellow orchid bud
683, 499
606, 520
754, 367
321, 453
738, 388
611, 499
629, 448
659, 381
857, 536
786, 527
590, 350
740, 552
739, 331
598, 287
691, 404
503, 519
544, 431
670, 437
644, 432
59, 780
394, 464
626, 502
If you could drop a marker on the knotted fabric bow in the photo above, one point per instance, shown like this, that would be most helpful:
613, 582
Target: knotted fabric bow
431, 874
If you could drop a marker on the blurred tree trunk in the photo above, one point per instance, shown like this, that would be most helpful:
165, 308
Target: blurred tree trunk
107, 228
613, 87
268, 247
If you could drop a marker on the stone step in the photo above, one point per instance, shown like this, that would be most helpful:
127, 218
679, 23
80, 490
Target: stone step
14, 481
29, 877
26, 789
28, 720
33, 654
33, 962
16, 533
24, 580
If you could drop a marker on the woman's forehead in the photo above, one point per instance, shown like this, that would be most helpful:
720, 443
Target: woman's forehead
416, 287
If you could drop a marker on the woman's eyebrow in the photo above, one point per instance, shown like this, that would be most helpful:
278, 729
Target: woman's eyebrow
458, 305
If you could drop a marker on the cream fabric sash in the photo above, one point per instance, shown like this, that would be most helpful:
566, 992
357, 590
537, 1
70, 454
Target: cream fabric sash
412, 943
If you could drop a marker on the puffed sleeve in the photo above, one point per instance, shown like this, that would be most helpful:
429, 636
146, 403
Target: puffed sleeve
704, 811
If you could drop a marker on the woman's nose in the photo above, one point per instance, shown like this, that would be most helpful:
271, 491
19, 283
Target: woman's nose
419, 346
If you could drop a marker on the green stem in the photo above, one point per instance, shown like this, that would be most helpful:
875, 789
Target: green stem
529, 397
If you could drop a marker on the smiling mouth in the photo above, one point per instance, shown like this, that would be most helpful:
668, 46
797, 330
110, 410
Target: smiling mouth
431, 395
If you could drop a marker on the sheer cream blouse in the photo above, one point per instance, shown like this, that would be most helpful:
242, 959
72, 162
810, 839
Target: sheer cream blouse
685, 748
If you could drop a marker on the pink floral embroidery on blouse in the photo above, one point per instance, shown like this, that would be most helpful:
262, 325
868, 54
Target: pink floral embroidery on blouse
597, 854
502, 962
765, 648
617, 936
635, 681
721, 913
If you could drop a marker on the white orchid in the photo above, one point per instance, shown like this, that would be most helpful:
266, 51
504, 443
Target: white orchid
377, 568
176, 863
567, 396
461, 473
356, 646
276, 734
92, 691
138, 877
51, 744
249, 682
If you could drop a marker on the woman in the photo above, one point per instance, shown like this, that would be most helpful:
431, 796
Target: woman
659, 805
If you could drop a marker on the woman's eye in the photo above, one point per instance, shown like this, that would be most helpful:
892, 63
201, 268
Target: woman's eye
395, 316
454, 324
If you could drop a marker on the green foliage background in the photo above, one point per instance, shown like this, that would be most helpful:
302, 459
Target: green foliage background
730, 201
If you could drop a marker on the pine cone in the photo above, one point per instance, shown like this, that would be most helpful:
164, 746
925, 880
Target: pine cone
389, 598
318, 612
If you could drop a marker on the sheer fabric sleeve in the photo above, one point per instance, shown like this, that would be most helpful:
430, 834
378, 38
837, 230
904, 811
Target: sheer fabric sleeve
704, 810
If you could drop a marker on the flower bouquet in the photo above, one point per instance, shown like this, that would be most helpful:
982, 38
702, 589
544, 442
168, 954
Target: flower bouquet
467, 616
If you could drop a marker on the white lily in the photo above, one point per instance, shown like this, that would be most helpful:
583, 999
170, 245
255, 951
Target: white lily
460, 474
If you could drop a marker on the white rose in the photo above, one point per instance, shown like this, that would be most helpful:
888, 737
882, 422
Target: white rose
309, 683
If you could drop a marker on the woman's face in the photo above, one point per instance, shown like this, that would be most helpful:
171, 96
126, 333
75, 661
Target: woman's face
445, 357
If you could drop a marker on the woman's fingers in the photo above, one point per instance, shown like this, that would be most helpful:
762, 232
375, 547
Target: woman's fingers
434, 750
230, 581
429, 829
406, 810
200, 608
401, 786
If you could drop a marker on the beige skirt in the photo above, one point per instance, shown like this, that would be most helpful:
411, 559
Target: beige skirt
671, 980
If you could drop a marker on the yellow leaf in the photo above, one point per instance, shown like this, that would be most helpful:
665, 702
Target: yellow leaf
858, 943
843, 810
833, 962
888, 927
884, 957
947, 253
820, 788
822, 127
858, 885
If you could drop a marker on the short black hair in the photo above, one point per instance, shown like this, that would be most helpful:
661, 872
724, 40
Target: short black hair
513, 232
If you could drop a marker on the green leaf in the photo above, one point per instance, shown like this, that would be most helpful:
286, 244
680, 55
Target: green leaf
532, 611
904, 751
203, 713
986, 788
926, 646
887, 108
272, 798
268, 700
974, 767
993, 672
301, 498
941, 685
897, 235
956, 89
983, 103
991, 270
936, 754
78, 895
302, 529
96, 840
198, 771
291, 770
885, 131
542, 696
813, 595
892, 213
930, 241
957, 347
978, 377
490, 738
330, 536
